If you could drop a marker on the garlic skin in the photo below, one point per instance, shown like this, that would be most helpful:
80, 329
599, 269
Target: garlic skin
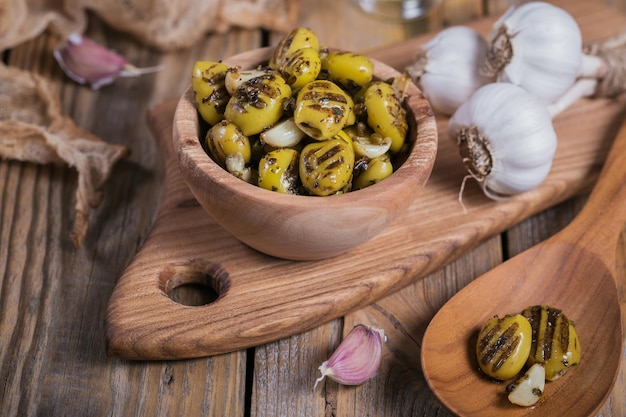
506, 139
357, 358
538, 47
447, 68
88, 62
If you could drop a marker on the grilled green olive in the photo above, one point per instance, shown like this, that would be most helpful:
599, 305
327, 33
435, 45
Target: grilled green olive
207, 82
385, 113
323, 109
348, 69
504, 346
326, 167
299, 38
278, 171
258, 103
302, 67
554, 340
224, 139
372, 171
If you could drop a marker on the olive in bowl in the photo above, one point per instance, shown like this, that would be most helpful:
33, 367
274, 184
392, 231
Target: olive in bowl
304, 226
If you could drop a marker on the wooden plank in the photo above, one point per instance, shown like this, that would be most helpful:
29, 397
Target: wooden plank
53, 296
405, 315
520, 237
399, 389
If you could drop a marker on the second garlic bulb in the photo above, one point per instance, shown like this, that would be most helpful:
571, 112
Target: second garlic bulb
506, 139
538, 47
447, 68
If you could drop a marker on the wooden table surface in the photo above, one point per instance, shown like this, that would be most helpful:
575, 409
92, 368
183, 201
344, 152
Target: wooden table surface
53, 297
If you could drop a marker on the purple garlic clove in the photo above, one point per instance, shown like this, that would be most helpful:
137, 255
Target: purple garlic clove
88, 62
357, 358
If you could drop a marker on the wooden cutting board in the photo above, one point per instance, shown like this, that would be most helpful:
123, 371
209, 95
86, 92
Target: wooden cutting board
262, 299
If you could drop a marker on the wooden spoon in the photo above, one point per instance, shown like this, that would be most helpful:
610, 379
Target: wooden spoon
574, 271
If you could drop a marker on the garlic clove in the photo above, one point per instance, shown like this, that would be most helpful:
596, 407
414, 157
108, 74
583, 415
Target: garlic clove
528, 389
236, 165
357, 358
283, 134
88, 62
371, 147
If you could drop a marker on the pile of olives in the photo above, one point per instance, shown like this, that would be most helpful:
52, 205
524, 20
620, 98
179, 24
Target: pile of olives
311, 121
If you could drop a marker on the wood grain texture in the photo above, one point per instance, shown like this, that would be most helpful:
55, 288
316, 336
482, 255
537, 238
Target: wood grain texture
408, 311
53, 298
250, 311
574, 271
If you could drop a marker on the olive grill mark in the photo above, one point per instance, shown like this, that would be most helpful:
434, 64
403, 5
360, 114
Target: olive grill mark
332, 105
256, 92
534, 317
300, 67
219, 96
498, 345
213, 78
290, 176
334, 113
329, 158
550, 329
325, 98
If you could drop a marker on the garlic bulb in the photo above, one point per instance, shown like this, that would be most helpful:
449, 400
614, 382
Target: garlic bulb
447, 68
506, 139
538, 47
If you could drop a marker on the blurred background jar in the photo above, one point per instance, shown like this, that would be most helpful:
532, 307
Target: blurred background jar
397, 9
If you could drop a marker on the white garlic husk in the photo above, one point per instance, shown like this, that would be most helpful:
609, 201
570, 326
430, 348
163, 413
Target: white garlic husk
506, 139
447, 68
538, 47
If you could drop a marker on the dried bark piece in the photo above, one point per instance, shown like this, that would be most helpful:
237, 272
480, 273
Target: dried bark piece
33, 129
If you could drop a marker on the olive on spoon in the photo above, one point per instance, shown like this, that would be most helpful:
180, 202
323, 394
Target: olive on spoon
573, 271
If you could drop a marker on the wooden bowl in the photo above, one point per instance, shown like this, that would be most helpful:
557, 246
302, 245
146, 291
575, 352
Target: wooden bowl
301, 227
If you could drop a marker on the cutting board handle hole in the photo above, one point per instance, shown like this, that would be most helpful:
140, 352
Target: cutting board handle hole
195, 283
